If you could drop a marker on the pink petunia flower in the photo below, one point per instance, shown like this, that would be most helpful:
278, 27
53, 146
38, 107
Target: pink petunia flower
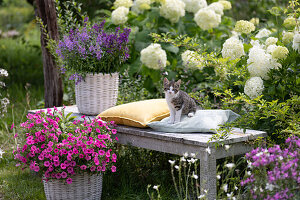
82, 167
64, 174
93, 168
63, 166
69, 180
113, 168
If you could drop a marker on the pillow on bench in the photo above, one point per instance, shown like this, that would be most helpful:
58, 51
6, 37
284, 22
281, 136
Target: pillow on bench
137, 114
202, 121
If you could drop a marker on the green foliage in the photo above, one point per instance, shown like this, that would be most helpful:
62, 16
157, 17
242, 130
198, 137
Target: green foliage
14, 14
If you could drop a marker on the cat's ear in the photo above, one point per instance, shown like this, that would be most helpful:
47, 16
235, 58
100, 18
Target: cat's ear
166, 81
178, 82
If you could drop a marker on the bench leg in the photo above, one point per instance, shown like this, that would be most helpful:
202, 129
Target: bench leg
208, 174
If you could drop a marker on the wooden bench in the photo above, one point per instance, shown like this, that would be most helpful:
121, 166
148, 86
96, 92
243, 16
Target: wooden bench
180, 143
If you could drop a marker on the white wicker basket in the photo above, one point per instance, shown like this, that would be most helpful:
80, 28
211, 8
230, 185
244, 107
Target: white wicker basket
83, 187
97, 93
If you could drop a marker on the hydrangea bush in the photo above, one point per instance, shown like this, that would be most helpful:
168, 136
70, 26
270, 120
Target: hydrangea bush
58, 147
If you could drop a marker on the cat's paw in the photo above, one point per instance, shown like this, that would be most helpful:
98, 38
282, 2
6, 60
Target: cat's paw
176, 121
171, 122
191, 115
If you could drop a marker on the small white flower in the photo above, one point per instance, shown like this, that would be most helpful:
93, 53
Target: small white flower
259, 154
155, 187
188, 160
193, 155
280, 158
255, 188
185, 154
172, 162
195, 176
1, 153
182, 159
236, 188
193, 160
249, 173
230, 165
208, 150
218, 177
270, 187
261, 190
3, 72
227, 147
177, 167
225, 187
249, 164
205, 191
201, 196
229, 194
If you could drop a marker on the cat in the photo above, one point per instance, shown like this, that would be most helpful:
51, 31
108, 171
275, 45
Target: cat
179, 102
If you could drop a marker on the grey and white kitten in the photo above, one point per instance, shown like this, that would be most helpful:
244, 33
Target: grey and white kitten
179, 102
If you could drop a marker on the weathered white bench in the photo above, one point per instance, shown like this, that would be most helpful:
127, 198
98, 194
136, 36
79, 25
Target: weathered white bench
180, 143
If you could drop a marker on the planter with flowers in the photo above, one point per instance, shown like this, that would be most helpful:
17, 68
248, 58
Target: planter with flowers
70, 155
94, 55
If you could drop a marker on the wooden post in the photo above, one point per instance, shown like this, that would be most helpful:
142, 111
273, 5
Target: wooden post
52, 80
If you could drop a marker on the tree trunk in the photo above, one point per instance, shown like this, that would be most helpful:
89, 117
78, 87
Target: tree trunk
52, 80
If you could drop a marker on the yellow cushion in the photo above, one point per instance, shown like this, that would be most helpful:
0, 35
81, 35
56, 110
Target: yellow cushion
137, 114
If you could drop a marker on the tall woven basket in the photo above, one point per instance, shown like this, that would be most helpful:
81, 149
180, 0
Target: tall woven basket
83, 187
97, 93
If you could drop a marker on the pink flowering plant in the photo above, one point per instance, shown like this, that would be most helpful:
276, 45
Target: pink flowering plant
274, 172
57, 146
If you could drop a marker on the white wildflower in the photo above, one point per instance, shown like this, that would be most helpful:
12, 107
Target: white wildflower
249, 164
193, 155
154, 56
201, 196
271, 40
270, 187
172, 10
194, 5
233, 48
235, 187
172, 162
254, 87
205, 191
259, 154
195, 176
263, 33
182, 159
207, 19
229, 195
123, 3
155, 187
3, 72
176, 167
1, 153
256, 43
230, 165
192, 59
296, 42
119, 16
218, 177
216, 7
261, 190
280, 158
227, 147
186, 154
208, 150
2, 84
249, 173
225, 187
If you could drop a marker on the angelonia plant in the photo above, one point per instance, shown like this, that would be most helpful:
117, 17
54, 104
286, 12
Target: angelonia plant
281, 177
92, 49
58, 147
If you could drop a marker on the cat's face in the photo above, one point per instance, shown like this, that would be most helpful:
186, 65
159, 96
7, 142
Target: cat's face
171, 87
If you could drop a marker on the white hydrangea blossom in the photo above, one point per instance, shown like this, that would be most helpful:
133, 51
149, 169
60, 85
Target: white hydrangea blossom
119, 16
296, 42
254, 87
172, 10
123, 3
154, 56
263, 33
260, 62
271, 48
191, 59
217, 7
207, 19
3, 72
233, 48
140, 5
271, 40
256, 43
226, 4
194, 5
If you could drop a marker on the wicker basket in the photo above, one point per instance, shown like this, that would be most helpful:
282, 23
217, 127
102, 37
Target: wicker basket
97, 93
83, 187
